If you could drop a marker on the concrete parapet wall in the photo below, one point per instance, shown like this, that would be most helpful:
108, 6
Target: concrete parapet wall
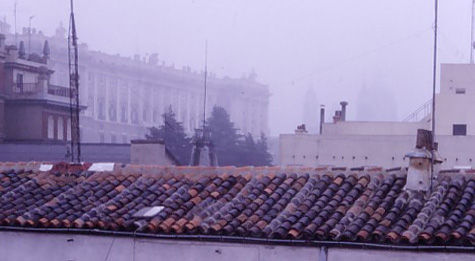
48, 246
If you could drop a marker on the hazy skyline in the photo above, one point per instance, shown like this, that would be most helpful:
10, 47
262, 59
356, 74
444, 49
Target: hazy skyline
375, 54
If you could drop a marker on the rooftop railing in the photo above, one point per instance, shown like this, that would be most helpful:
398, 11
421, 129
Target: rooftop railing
58, 91
421, 113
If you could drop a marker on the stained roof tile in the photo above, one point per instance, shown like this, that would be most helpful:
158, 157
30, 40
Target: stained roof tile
363, 206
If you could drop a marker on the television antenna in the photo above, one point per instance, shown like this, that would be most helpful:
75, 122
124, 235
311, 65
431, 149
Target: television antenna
74, 89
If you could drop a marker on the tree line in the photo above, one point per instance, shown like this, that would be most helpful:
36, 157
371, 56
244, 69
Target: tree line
231, 147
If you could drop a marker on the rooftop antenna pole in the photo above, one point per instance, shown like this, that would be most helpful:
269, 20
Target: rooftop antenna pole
14, 15
472, 44
434, 75
74, 89
205, 89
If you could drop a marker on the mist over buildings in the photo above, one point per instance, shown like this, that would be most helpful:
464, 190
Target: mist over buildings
377, 55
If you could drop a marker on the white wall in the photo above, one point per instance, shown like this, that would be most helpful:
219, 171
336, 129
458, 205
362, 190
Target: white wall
354, 144
373, 128
18, 246
453, 108
368, 150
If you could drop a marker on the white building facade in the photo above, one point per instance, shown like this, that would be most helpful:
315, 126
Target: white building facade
125, 96
355, 144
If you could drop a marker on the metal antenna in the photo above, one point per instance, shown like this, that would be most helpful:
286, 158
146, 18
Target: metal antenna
14, 15
471, 33
74, 89
434, 76
205, 87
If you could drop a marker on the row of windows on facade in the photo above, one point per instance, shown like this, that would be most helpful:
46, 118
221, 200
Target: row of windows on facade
156, 115
190, 122
114, 138
58, 128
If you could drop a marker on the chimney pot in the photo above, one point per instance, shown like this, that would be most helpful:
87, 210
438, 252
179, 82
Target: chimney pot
322, 118
343, 110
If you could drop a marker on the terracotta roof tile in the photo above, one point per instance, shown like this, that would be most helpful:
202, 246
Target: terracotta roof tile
259, 202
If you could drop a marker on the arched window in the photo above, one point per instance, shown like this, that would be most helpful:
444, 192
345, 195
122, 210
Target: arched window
50, 127
60, 128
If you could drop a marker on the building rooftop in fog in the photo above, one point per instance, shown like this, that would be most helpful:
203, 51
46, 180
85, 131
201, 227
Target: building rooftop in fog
265, 204
124, 96
343, 142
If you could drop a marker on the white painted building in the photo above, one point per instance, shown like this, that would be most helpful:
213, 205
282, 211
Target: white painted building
359, 143
124, 96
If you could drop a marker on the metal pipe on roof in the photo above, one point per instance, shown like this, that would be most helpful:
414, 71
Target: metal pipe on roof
322, 118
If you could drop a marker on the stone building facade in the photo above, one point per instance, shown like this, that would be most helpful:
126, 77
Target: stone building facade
124, 96
31, 108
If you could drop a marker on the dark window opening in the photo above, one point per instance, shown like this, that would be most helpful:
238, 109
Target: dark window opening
19, 82
460, 90
459, 129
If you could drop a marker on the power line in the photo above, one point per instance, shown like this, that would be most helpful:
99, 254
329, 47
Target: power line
363, 54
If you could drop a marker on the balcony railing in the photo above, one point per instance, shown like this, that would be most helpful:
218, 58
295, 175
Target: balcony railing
25, 88
58, 91
33, 90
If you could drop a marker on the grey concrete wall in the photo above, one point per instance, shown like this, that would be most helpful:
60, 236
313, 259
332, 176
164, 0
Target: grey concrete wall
149, 153
20, 246
23, 122
378, 255
90, 152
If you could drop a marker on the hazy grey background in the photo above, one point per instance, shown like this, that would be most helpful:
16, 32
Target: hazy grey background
376, 54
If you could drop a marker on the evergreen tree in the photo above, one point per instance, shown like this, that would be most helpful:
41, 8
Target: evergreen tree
233, 149
263, 155
224, 136
247, 151
174, 137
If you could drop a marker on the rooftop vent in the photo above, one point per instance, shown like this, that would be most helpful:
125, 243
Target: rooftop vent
102, 166
148, 212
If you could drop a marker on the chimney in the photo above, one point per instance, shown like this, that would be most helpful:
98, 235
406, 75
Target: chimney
343, 110
419, 171
203, 153
150, 152
322, 118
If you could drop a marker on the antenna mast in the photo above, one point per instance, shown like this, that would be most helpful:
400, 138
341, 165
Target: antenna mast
472, 44
205, 87
14, 14
434, 80
74, 89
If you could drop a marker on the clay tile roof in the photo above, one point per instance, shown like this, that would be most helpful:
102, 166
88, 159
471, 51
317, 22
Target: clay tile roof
268, 203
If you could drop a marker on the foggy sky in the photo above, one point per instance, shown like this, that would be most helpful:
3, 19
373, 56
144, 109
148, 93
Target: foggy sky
376, 54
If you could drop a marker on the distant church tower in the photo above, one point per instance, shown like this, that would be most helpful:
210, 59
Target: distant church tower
311, 116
